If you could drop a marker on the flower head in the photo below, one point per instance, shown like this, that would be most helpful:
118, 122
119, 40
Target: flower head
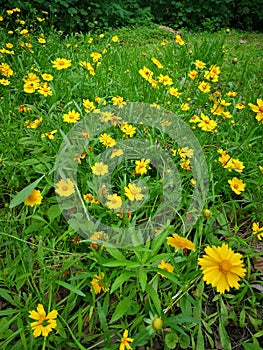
71, 116
61, 63
180, 242
142, 166
237, 185
165, 266
100, 169
98, 284
222, 268
133, 192
107, 140
257, 230
258, 109
114, 201
125, 341
34, 198
44, 322
65, 188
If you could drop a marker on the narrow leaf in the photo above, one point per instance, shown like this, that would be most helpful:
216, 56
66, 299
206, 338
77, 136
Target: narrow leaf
71, 288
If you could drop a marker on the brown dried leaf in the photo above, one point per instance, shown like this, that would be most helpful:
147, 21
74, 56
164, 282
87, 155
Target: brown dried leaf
258, 264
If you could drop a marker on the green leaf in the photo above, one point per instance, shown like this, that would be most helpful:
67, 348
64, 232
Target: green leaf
154, 297
124, 277
121, 309
4, 294
225, 341
126, 263
71, 288
142, 278
24, 193
53, 212
171, 339
115, 253
200, 342
250, 346
184, 341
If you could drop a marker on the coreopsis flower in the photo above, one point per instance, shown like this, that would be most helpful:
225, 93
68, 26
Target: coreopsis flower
165, 80
257, 230
179, 40
133, 192
99, 284
128, 129
107, 140
34, 124
44, 323
88, 105
222, 268
260, 168
207, 124
34, 198
115, 38
125, 340
212, 73
237, 185
114, 201
41, 40
23, 32
185, 152
39, 19
45, 90
146, 73
174, 92
100, 169
71, 116
30, 87
185, 106
235, 164
95, 56
142, 166
116, 152
231, 94
47, 77
193, 74
4, 82
240, 106
61, 63
31, 78
186, 165
165, 266
6, 70
65, 188
204, 86
179, 242
49, 134
157, 63
195, 119
258, 109
199, 64
118, 101
87, 66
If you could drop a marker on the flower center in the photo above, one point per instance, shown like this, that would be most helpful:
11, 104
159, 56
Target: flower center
261, 109
225, 266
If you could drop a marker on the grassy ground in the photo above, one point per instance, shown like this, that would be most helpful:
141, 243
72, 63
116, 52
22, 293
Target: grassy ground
128, 276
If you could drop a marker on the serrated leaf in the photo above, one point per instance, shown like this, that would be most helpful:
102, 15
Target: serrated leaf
24, 193
71, 288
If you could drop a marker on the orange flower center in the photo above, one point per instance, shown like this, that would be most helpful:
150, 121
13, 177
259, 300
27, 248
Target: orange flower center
225, 266
261, 109
64, 188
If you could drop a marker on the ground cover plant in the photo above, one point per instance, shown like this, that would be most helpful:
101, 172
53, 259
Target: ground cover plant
114, 126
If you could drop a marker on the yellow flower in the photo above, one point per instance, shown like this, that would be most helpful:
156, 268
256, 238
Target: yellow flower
95, 56
115, 201
258, 109
115, 39
193, 74
174, 92
179, 40
87, 66
88, 105
98, 284
61, 63
204, 86
165, 266
41, 40
257, 230
133, 192
49, 134
47, 77
146, 73
118, 100
222, 268
45, 90
240, 105
237, 185
44, 322
235, 164
128, 129
4, 82
199, 64
65, 188
34, 198
207, 124
107, 140
33, 125
100, 169
116, 152
141, 166
185, 106
157, 63
179, 242
231, 94
125, 341
165, 80
261, 168
71, 116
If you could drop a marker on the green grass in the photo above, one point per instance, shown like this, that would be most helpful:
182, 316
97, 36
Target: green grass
44, 258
